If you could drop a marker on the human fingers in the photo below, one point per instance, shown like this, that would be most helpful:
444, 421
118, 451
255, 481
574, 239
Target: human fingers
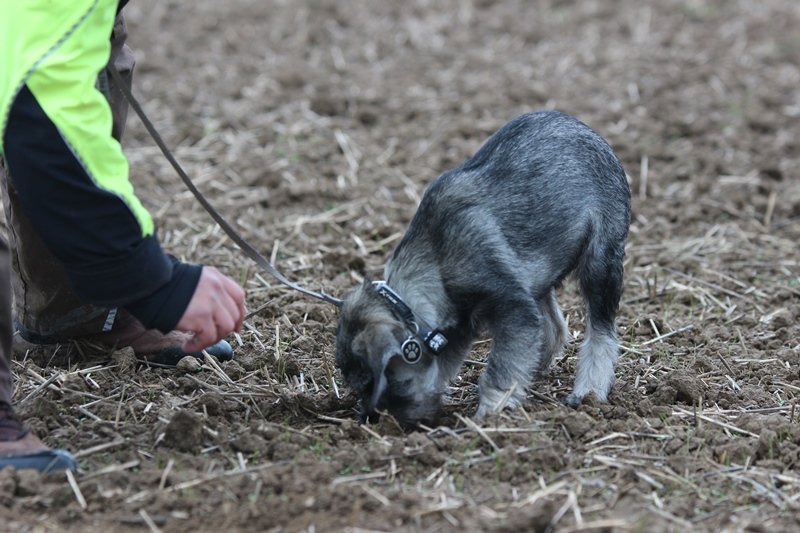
197, 342
235, 302
215, 310
216, 328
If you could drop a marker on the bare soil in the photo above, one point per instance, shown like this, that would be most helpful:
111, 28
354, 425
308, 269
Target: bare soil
315, 126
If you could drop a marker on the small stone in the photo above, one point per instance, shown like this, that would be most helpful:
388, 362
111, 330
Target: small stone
784, 318
28, 482
189, 364
8, 483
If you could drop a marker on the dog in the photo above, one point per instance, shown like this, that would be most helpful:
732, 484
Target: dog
492, 239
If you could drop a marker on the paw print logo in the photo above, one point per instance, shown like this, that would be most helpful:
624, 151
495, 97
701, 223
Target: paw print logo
412, 351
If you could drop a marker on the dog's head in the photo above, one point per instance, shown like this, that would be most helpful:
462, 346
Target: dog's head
369, 342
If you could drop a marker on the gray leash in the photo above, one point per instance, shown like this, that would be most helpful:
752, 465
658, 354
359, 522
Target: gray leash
248, 249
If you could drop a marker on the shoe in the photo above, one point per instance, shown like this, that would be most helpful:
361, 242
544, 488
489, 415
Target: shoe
170, 357
149, 345
22, 450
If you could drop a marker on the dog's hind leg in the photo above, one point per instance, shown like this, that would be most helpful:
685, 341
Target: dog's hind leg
600, 278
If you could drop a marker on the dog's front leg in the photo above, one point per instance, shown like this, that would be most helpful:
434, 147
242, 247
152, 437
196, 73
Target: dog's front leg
516, 356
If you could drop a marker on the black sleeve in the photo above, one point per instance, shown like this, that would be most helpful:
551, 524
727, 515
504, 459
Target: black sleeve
165, 307
89, 229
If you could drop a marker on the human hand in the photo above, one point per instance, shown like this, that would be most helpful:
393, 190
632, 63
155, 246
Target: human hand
215, 310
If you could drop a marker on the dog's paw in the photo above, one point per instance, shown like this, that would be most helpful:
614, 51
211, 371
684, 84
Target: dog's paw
575, 400
493, 401
480, 413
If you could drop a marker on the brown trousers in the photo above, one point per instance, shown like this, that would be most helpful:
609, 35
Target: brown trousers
43, 301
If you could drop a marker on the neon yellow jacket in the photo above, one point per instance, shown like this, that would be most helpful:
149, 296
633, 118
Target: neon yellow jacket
69, 172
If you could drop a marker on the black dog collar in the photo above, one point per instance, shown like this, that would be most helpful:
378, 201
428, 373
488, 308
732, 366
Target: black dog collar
432, 338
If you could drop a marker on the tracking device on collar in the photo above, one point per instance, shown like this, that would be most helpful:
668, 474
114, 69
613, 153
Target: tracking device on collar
432, 338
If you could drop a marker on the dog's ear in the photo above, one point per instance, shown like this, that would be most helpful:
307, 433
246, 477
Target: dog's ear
367, 337
382, 345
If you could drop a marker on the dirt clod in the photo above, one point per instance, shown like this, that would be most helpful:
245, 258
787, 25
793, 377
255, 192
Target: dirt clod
578, 424
8, 484
687, 387
184, 432
124, 360
28, 483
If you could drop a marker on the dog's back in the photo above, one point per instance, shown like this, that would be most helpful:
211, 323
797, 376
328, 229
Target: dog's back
524, 207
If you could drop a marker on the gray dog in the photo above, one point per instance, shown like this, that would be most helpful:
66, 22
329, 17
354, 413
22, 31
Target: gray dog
492, 239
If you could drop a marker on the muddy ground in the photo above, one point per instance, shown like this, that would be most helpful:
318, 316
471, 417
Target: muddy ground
315, 126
